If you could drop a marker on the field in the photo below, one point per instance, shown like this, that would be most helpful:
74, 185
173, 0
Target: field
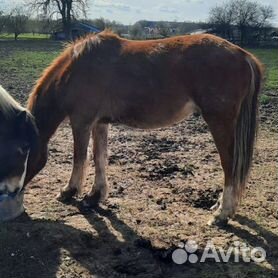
162, 184
24, 36
270, 59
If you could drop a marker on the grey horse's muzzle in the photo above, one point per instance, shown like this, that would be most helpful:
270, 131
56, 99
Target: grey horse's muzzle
11, 205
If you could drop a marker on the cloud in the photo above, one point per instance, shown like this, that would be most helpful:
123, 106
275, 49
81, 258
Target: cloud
194, 1
109, 5
167, 9
177, 6
109, 11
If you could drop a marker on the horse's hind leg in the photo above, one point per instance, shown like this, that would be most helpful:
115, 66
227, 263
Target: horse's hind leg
81, 135
222, 129
99, 190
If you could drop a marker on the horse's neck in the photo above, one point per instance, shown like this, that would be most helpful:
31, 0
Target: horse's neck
48, 115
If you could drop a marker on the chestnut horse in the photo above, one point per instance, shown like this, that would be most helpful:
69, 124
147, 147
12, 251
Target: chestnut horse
104, 79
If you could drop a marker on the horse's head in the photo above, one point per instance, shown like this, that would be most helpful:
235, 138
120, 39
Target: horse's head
18, 136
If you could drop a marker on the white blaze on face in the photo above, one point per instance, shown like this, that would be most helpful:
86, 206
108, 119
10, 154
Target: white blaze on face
12, 183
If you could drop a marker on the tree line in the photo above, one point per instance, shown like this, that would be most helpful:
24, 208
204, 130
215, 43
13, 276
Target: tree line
18, 20
14, 22
241, 21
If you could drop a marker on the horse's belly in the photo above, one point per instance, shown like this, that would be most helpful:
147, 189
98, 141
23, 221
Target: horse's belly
156, 117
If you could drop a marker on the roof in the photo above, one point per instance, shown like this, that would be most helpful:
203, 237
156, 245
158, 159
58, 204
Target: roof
88, 27
80, 25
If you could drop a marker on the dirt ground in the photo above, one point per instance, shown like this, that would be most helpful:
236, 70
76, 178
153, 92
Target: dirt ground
162, 184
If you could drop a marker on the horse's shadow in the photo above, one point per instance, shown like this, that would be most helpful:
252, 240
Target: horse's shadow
47, 248
264, 238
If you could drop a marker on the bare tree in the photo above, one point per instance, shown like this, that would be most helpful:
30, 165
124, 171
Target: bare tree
136, 31
67, 10
221, 19
16, 21
247, 16
266, 13
3, 20
100, 23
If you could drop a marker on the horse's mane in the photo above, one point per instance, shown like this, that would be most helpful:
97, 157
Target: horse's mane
8, 106
54, 73
87, 43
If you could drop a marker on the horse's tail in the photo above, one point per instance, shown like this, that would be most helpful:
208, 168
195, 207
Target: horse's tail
246, 128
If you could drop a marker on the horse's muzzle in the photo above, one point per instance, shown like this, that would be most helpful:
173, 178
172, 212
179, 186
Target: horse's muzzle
11, 205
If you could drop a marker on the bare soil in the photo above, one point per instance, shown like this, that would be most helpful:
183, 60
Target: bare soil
162, 184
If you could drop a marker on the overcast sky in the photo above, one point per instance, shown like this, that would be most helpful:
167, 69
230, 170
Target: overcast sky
129, 11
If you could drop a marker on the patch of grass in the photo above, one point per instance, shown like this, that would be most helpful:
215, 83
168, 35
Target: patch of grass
25, 36
22, 62
265, 99
29, 64
269, 57
27, 59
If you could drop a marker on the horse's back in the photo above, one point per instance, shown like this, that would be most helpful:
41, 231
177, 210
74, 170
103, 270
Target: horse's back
164, 81
157, 82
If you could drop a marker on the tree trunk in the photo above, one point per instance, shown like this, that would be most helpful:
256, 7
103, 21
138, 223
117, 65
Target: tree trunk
68, 18
67, 29
242, 35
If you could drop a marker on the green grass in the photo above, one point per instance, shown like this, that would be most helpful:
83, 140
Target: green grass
269, 57
29, 64
24, 36
25, 60
265, 99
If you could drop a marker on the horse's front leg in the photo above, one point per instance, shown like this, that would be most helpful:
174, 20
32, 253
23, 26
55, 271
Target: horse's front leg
99, 190
81, 135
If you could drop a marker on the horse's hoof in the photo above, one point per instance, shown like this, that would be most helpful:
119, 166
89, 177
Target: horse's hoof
218, 203
215, 206
92, 201
217, 221
66, 195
